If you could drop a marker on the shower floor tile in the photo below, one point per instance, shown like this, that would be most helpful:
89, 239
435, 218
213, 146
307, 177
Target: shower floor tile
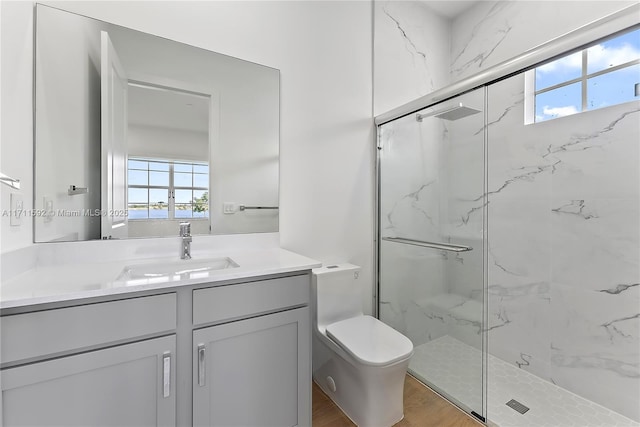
454, 369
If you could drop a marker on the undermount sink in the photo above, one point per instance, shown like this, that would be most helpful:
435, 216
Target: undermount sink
186, 268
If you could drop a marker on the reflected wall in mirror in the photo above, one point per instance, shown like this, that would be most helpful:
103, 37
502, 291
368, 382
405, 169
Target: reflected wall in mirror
158, 132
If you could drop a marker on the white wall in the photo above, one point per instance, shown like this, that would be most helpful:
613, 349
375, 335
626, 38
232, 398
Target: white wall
16, 145
323, 50
69, 109
163, 143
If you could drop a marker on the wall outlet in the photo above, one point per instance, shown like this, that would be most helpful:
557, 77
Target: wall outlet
17, 210
228, 208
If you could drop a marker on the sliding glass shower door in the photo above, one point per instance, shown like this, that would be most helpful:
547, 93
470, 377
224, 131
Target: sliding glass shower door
432, 243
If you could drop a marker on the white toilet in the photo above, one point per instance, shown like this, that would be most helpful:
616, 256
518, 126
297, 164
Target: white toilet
358, 361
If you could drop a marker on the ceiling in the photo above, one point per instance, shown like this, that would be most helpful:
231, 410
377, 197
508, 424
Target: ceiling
149, 106
450, 9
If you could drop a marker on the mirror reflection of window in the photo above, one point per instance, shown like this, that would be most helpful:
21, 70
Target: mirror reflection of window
160, 189
168, 159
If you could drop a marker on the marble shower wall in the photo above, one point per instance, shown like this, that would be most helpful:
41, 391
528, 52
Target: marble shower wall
564, 237
563, 209
564, 246
411, 181
411, 52
427, 293
494, 31
411, 59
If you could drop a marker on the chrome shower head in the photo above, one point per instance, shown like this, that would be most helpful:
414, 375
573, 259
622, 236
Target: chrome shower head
457, 113
452, 113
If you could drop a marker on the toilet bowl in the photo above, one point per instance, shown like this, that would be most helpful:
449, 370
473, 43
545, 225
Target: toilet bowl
358, 361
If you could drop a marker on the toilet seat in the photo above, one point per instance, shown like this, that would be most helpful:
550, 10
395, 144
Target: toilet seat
370, 341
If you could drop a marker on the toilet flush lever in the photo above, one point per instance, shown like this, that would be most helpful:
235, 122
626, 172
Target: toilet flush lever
201, 368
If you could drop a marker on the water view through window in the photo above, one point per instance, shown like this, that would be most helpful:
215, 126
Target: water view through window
159, 189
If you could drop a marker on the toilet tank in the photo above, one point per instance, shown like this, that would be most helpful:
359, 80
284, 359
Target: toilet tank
337, 294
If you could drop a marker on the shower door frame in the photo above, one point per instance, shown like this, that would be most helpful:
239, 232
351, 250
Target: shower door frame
485, 281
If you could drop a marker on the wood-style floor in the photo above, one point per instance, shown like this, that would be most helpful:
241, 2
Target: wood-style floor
422, 408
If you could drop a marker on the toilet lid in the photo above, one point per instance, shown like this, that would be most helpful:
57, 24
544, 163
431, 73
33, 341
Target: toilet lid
370, 341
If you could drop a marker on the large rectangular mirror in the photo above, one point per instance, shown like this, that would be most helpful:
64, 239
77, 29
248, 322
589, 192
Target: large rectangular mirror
135, 133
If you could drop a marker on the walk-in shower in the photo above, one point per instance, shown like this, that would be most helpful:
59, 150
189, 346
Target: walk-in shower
509, 245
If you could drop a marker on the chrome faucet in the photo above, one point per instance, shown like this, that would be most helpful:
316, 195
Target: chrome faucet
185, 234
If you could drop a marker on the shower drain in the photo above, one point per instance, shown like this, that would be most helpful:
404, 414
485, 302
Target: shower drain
514, 404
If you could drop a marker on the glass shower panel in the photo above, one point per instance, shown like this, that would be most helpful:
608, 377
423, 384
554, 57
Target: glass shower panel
563, 263
431, 250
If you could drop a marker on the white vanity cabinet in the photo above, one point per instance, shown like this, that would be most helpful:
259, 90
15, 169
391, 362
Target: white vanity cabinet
231, 353
110, 363
255, 371
123, 385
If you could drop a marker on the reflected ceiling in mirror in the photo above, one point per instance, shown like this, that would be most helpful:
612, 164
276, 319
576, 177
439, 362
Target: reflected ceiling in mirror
156, 131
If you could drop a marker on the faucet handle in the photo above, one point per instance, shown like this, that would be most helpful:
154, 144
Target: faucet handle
185, 229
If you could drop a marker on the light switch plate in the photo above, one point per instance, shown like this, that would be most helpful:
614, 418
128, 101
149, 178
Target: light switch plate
48, 209
229, 208
17, 210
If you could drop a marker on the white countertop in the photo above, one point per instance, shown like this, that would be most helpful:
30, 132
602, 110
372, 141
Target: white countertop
68, 282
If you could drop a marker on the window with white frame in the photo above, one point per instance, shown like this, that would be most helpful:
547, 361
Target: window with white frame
604, 74
161, 189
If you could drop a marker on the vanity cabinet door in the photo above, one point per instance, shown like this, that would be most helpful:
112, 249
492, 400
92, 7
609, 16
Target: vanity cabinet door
127, 385
254, 372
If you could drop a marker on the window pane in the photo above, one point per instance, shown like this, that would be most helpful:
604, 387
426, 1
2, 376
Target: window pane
613, 88
201, 169
616, 51
200, 180
199, 194
560, 102
159, 196
138, 195
183, 210
159, 178
138, 211
200, 214
184, 196
138, 164
558, 71
182, 167
159, 166
200, 204
137, 177
182, 179
158, 211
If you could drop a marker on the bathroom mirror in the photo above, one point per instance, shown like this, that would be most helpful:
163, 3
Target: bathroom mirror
135, 133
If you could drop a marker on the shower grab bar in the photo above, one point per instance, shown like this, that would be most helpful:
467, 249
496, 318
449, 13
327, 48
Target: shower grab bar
243, 207
11, 182
434, 245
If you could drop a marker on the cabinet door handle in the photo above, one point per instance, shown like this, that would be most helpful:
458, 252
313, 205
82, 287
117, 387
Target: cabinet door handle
166, 374
201, 368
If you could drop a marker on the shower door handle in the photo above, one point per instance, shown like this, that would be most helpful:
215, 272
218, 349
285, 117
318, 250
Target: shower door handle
433, 245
